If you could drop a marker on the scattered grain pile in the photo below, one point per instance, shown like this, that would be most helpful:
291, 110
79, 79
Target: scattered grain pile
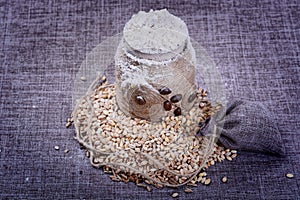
166, 153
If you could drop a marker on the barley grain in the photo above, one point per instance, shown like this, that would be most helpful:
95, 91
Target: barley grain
175, 194
224, 179
233, 155
188, 190
229, 158
289, 175
207, 181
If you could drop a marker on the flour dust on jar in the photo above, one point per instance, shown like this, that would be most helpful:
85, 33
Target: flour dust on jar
155, 67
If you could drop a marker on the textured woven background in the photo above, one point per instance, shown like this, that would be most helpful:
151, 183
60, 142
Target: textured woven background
255, 44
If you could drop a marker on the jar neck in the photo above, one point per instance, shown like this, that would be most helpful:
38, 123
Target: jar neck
155, 58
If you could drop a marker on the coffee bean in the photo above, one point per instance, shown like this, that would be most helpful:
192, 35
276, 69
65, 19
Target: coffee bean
176, 98
177, 111
140, 100
167, 105
165, 91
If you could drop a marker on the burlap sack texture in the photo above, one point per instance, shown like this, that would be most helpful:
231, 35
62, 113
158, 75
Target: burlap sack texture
248, 126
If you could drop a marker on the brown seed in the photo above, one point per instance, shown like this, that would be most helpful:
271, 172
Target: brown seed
176, 98
177, 111
140, 100
165, 91
167, 105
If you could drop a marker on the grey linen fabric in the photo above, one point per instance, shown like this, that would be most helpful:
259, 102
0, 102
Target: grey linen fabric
255, 45
247, 126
